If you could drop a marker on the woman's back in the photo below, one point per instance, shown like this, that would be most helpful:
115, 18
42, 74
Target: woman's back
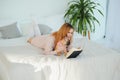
43, 41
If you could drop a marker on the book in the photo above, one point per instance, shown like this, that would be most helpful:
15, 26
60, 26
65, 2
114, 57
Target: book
73, 52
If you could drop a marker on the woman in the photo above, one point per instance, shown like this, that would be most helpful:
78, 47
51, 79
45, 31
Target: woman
56, 43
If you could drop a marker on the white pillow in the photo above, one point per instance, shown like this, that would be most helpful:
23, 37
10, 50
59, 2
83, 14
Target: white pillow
36, 27
26, 28
29, 28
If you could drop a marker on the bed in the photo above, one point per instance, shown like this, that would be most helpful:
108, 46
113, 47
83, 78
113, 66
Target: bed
96, 62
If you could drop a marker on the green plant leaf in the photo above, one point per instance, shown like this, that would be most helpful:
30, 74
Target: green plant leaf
100, 12
80, 14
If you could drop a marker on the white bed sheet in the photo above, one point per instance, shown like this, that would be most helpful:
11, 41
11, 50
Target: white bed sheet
14, 41
95, 63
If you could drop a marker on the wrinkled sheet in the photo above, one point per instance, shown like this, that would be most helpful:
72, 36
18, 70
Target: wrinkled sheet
94, 63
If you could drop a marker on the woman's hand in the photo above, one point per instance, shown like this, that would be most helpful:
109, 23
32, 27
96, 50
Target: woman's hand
60, 48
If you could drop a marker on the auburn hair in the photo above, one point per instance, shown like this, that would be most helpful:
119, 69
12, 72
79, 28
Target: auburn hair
62, 32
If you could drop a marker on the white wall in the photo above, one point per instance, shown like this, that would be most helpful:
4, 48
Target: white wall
113, 24
16, 9
100, 29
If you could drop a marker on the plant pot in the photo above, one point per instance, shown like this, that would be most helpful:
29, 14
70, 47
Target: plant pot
86, 33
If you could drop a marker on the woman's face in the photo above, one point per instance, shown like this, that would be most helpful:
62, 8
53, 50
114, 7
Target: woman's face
70, 33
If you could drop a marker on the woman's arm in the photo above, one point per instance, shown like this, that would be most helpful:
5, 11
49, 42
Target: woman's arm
61, 48
48, 49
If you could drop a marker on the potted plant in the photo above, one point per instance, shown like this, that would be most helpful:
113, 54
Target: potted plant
80, 14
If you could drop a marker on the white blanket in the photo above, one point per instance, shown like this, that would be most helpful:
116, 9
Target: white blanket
94, 63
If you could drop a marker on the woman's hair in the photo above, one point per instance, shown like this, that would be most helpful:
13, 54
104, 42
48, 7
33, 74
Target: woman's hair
62, 32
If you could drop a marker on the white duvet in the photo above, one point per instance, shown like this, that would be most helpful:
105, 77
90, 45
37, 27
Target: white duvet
94, 63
